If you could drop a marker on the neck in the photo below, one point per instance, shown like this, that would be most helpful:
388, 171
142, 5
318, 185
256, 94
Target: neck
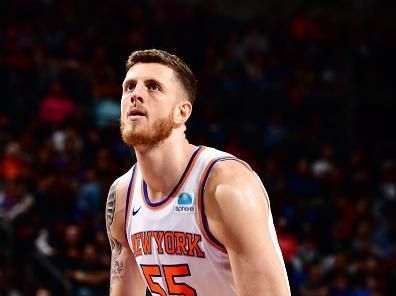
162, 165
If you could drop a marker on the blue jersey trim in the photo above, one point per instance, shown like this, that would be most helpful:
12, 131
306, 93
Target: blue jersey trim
158, 204
203, 215
127, 200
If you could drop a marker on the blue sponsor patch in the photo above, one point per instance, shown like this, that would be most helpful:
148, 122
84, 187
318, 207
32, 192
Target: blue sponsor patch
184, 199
184, 204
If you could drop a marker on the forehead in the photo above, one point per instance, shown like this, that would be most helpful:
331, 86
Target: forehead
148, 71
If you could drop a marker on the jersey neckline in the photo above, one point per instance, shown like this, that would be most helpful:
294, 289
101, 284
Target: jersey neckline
183, 178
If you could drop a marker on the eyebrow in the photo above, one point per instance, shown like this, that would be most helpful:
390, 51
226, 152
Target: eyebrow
162, 86
156, 82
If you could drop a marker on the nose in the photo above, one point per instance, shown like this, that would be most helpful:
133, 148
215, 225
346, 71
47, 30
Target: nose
138, 94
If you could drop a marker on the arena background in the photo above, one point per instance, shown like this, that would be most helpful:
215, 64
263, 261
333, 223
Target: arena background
302, 90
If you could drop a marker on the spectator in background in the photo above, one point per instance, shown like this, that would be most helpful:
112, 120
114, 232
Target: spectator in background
106, 112
13, 163
43, 292
14, 201
323, 167
56, 106
90, 197
90, 277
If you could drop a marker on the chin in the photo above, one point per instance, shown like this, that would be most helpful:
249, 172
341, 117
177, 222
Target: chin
147, 135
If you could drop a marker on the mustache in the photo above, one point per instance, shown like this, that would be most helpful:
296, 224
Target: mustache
136, 109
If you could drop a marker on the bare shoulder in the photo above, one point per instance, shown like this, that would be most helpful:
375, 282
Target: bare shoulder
116, 197
119, 188
234, 200
230, 170
233, 179
238, 215
116, 204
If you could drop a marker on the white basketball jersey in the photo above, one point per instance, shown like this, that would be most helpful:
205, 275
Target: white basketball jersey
171, 241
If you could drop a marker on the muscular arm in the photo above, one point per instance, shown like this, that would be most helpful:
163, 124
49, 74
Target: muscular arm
124, 274
238, 215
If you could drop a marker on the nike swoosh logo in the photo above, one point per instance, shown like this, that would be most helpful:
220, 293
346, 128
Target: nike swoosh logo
135, 212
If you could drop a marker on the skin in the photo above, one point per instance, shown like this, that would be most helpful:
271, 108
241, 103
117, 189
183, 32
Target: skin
236, 205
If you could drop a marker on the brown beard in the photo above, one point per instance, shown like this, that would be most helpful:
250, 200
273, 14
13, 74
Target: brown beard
148, 135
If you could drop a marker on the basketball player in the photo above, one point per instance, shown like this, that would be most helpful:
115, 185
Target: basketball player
184, 220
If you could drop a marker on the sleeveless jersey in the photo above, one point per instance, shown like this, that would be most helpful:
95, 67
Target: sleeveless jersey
171, 241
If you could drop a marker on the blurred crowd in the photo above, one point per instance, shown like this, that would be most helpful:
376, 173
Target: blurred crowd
290, 92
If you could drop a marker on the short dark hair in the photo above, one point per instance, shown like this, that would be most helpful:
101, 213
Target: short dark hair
183, 72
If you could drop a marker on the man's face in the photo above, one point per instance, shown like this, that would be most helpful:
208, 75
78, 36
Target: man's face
150, 93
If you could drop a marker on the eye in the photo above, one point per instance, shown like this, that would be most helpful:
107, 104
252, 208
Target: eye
152, 86
130, 86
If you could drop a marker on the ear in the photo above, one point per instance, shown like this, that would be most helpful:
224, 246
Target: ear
182, 112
